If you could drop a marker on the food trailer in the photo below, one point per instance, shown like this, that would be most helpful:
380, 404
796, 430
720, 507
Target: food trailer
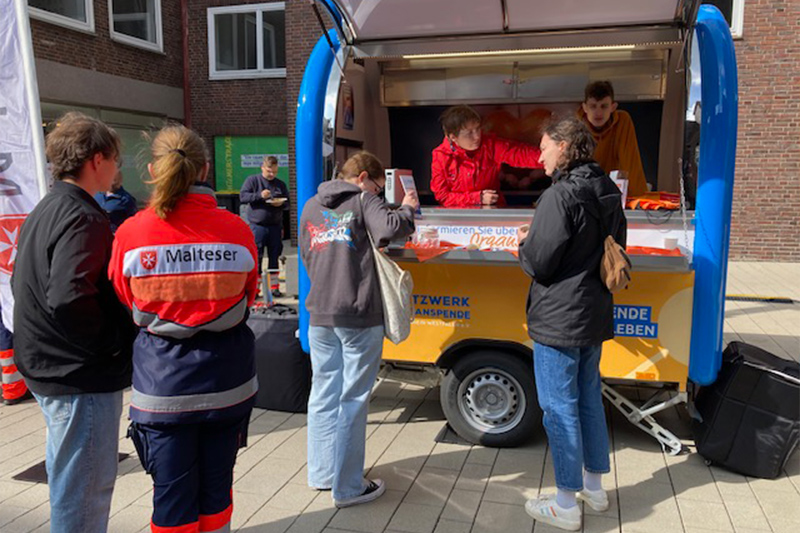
378, 81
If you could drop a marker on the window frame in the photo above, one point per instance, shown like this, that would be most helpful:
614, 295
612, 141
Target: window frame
64, 21
737, 19
258, 9
130, 40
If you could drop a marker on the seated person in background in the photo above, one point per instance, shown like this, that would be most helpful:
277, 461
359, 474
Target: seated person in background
466, 166
613, 131
118, 203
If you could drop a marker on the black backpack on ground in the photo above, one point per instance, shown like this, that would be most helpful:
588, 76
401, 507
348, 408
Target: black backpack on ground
283, 368
751, 414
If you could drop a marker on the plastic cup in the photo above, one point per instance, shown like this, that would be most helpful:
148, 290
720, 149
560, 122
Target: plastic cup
670, 243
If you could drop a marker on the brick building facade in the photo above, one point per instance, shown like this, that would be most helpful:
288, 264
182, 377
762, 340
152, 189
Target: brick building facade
765, 225
79, 68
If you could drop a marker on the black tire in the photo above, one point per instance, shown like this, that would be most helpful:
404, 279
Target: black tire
489, 398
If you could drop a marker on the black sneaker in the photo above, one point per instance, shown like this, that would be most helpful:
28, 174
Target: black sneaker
24, 398
375, 489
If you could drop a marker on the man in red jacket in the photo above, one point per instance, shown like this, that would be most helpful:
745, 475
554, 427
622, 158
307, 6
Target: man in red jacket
466, 166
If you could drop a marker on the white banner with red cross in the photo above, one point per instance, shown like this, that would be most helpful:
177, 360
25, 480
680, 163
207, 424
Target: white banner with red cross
22, 164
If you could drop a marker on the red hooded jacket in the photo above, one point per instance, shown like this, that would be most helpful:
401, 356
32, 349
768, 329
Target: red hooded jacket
458, 176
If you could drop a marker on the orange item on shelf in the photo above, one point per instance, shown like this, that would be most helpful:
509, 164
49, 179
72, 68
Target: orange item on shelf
425, 253
653, 201
647, 250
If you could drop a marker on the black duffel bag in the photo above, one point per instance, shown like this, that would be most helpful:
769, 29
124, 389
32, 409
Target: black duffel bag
751, 414
283, 368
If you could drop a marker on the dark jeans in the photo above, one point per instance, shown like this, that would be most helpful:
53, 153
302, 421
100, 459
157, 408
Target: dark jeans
272, 237
192, 470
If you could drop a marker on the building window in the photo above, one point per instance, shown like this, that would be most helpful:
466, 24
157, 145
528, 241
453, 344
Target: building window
247, 41
136, 22
75, 14
733, 11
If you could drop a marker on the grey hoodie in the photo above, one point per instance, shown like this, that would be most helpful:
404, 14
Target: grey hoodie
336, 252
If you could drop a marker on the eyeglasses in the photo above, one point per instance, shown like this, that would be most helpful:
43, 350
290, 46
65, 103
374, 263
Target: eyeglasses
381, 188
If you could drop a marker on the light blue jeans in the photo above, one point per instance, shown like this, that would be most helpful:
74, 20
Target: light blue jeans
81, 454
345, 363
568, 387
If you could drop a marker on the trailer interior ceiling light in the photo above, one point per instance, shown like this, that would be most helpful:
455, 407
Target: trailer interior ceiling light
489, 53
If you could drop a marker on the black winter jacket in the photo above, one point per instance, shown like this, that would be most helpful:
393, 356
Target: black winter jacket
568, 304
72, 335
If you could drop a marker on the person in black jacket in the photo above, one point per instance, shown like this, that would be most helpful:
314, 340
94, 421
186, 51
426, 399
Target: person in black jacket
570, 315
267, 198
73, 337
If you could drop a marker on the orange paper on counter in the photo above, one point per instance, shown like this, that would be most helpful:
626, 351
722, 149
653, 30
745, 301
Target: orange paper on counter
647, 250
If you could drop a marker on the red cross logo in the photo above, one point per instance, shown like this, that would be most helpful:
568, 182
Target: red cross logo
9, 235
148, 259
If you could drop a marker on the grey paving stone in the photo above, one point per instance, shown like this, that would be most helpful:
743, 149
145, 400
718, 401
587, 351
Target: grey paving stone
449, 526
449, 456
432, 487
372, 517
520, 464
316, 516
462, 506
481, 455
511, 489
293, 497
270, 520
747, 514
400, 474
130, 520
595, 523
708, 515
502, 518
414, 518
474, 477
35, 495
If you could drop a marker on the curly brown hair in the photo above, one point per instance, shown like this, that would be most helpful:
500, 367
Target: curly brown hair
580, 143
75, 140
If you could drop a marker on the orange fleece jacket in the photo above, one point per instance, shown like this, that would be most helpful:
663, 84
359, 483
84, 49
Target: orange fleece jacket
617, 149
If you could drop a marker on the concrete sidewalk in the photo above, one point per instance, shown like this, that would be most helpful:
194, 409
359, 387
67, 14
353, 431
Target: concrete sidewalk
450, 488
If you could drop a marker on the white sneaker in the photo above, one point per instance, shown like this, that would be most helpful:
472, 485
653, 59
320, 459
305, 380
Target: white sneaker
375, 489
596, 499
545, 509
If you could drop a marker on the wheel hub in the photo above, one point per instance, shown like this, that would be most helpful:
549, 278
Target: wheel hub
491, 400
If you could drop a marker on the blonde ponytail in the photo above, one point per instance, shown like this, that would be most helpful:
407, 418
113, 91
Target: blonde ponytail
179, 158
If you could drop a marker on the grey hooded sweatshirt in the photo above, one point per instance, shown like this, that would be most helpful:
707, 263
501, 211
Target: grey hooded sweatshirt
336, 252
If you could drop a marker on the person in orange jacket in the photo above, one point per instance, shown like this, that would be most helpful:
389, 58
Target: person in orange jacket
465, 168
614, 133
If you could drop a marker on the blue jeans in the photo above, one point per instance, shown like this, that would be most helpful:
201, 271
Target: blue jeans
271, 237
568, 387
345, 363
82, 446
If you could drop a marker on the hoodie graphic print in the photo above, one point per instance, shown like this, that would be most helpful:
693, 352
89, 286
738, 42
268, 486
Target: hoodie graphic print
335, 227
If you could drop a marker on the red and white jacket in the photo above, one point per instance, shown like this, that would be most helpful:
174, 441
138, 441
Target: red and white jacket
183, 278
458, 176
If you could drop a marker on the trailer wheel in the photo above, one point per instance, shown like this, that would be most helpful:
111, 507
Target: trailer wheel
489, 398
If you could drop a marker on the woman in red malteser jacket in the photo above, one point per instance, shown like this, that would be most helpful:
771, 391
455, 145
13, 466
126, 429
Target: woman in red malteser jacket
187, 271
465, 167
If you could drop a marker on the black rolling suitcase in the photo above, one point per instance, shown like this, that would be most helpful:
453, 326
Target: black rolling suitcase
283, 368
751, 414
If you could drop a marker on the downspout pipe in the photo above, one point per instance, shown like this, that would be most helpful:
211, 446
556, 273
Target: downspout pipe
720, 105
187, 99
